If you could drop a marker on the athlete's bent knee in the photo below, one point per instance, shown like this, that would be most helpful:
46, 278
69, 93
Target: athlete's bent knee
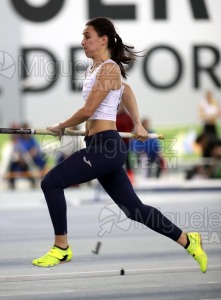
48, 182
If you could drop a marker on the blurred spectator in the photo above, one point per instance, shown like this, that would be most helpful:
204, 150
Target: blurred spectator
23, 155
124, 123
201, 171
7, 151
211, 154
215, 168
208, 140
209, 112
150, 152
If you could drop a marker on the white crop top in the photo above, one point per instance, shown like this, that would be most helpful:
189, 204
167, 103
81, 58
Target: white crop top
209, 109
107, 110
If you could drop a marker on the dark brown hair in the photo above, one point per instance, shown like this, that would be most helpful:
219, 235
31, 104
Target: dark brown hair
120, 53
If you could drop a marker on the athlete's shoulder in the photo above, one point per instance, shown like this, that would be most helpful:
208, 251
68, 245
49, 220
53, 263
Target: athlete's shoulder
109, 68
127, 87
111, 65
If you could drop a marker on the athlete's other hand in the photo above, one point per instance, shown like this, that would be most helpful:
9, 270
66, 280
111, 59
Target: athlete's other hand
140, 133
56, 129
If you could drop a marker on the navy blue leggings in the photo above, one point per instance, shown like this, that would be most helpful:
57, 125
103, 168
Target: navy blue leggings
103, 158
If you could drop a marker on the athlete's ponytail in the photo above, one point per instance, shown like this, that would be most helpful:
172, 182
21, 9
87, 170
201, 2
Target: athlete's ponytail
120, 53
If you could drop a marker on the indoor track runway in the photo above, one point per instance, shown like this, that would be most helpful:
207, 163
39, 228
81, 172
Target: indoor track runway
155, 267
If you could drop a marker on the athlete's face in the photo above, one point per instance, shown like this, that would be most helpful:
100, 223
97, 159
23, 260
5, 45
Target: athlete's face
92, 43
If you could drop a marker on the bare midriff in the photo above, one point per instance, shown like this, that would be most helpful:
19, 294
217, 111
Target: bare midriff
95, 126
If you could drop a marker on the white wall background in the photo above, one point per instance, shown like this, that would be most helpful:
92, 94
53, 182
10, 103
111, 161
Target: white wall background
181, 31
10, 40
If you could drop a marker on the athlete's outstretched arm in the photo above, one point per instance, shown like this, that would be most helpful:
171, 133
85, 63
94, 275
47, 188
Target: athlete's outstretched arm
129, 101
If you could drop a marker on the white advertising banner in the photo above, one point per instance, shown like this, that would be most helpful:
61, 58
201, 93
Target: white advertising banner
181, 45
